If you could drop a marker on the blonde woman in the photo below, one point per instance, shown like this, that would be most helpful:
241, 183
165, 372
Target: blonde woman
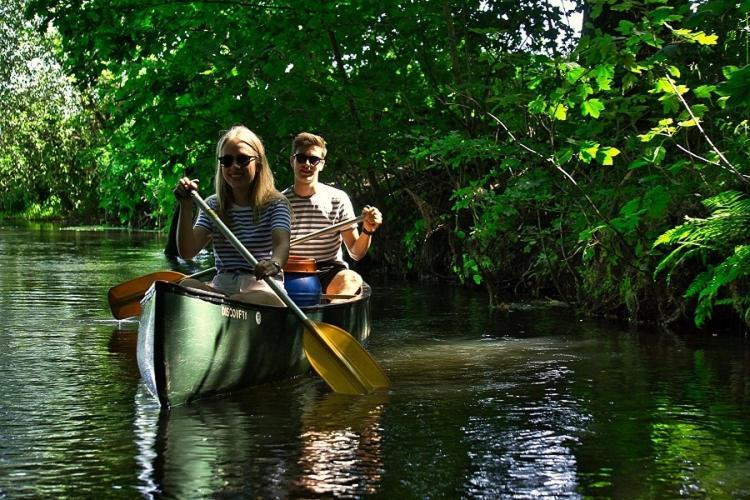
249, 204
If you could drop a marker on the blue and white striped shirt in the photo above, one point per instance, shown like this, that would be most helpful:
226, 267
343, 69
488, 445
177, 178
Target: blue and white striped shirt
255, 237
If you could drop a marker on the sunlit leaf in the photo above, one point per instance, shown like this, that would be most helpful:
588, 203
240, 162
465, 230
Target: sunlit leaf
560, 112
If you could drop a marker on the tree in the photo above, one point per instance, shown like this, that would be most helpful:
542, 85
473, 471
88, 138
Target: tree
505, 150
45, 134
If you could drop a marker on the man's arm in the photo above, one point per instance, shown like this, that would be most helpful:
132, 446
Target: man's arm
358, 243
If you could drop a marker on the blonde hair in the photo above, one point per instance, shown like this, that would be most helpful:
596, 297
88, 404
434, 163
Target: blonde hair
262, 189
305, 139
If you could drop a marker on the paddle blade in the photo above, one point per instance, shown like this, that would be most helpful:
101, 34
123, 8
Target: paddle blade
125, 298
342, 361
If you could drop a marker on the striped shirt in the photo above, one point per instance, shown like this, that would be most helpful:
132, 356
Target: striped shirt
255, 237
326, 207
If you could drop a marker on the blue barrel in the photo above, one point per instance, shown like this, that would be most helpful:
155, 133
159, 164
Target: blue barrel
303, 288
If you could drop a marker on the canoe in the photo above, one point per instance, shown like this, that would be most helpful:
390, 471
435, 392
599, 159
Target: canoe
194, 344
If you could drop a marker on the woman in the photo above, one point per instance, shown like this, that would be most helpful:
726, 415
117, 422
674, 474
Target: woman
249, 204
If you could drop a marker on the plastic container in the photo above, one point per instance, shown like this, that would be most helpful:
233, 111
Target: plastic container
301, 281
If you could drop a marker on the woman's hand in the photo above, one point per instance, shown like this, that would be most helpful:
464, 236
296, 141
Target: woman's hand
183, 188
266, 268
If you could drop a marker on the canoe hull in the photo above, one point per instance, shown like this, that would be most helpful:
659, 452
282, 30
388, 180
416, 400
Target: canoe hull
194, 345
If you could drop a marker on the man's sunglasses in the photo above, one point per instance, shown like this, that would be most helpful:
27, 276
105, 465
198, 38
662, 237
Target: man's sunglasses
303, 158
243, 161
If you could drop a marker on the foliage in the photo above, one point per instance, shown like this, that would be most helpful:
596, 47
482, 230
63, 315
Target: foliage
725, 234
45, 134
506, 149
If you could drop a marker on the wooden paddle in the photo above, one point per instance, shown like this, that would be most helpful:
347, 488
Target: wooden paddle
125, 298
337, 356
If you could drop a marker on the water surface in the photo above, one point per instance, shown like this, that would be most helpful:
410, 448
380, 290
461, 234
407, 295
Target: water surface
533, 402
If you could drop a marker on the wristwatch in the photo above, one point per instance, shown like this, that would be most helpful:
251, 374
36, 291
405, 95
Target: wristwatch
276, 265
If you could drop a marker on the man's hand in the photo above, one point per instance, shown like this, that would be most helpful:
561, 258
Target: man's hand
372, 219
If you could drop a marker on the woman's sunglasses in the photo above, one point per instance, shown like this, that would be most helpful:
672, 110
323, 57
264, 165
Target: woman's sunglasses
243, 161
303, 158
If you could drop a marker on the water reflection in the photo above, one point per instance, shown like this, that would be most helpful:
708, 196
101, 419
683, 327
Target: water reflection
342, 452
288, 439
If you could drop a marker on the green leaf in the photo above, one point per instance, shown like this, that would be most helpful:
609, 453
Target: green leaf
658, 155
698, 37
597, 10
573, 72
704, 91
670, 103
537, 105
699, 110
664, 14
560, 112
592, 107
588, 151
625, 27
736, 88
604, 73
583, 90
636, 164
704, 39
564, 155
605, 155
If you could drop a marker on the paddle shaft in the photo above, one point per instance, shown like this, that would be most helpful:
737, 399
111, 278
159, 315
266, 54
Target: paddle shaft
280, 292
326, 230
203, 273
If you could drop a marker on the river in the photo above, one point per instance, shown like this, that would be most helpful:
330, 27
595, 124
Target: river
534, 402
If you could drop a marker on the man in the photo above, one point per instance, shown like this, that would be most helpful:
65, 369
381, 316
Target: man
316, 205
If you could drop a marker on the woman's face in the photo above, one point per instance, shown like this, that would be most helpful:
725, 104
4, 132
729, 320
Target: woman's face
238, 164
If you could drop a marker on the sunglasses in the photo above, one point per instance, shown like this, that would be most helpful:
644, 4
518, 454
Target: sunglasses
243, 161
303, 158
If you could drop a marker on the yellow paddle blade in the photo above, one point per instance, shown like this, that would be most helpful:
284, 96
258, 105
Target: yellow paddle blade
342, 361
125, 298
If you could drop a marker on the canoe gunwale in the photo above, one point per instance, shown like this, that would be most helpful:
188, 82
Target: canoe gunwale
218, 298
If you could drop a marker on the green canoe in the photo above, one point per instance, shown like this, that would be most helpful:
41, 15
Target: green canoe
194, 344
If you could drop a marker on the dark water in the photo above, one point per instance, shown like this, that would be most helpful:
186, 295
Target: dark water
531, 403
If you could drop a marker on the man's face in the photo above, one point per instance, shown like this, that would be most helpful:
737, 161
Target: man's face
307, 163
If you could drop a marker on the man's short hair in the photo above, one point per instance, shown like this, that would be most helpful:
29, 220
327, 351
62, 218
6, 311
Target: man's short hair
305, 140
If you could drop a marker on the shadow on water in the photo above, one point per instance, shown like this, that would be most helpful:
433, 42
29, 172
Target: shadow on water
123, 344
292, 439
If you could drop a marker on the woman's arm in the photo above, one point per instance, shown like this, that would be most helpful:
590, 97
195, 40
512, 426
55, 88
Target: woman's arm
280, 252
279, 255
190, 240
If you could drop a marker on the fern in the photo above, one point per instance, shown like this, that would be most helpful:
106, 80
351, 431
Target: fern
723, 234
